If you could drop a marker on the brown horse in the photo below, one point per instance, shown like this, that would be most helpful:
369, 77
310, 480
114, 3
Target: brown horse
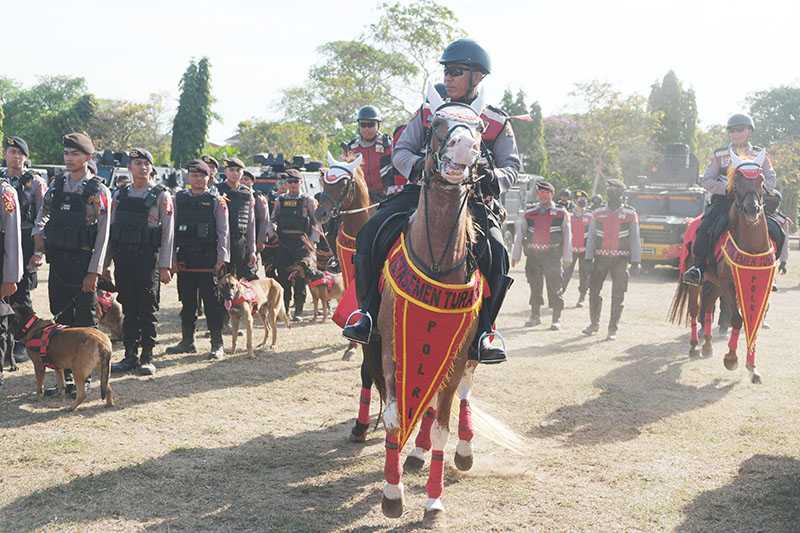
345, 197
748, 230
437, 243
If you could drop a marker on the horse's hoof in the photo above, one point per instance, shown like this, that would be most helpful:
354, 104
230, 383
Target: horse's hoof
358, 437
694, 351
708, 350
392, 508
755, 379
463, 462
433, 519
413, 464
731, 363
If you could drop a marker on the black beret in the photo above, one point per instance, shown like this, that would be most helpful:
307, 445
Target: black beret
198, 165
545, 186
17, 142
615, 184
80, 142
293, 175
208, 160
234, 162
141, 153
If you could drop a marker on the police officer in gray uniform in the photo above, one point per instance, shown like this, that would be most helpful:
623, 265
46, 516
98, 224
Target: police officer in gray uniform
11, 267
715, 181
142, 216
201, 250
72, 229
30, 189
466, 63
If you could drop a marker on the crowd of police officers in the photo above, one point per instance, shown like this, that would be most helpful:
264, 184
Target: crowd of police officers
151, 232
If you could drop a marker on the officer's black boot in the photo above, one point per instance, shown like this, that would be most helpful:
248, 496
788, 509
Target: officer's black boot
129, 362
361, 331
217, 351
146, 366
581, 299
187, 342
556, 324
595, 306
490, 351
613, 322
534, 319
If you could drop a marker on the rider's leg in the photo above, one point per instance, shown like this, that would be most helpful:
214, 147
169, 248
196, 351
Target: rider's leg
499, 283
370, 256
711, 227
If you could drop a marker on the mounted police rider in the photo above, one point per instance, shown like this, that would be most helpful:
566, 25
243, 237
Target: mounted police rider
466, 63
715, 181
375, 148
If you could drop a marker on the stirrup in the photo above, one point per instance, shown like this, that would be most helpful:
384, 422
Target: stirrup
348, 324
692, 283
492, 334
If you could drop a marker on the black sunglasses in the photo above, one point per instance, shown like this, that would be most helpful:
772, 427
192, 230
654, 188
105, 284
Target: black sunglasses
455, 72
369, 124
737, 129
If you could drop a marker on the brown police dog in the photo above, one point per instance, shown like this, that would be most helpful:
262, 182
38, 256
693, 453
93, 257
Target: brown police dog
79, 349
243, 298
321, 294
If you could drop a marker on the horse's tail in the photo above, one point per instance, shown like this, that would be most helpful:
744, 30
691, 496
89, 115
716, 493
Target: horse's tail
685, 298
491, 428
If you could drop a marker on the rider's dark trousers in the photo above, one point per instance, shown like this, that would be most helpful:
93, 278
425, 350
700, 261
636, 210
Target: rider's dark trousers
711, 228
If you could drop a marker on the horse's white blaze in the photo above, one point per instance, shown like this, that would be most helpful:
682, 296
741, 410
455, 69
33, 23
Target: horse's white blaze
439, 435
434, 503
419, 453
464, 448
391, 420
465, 385
393, 492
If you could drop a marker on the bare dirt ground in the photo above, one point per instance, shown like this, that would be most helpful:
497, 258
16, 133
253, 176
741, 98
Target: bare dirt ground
630, 435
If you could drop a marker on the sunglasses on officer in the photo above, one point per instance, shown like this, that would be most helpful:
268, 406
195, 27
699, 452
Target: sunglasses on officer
455, 72
737, 129
368, 124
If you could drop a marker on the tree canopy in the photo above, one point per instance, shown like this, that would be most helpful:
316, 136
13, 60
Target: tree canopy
190, 127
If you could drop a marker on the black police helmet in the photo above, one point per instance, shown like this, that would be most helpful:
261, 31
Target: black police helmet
740, 119
369, 112
467, 52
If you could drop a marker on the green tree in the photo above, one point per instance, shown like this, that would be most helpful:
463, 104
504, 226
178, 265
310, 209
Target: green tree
528, 130
419, 30
708, 140
121, 125
676, 110
288, 138
776, 113
537, 160
350, 75
190, 127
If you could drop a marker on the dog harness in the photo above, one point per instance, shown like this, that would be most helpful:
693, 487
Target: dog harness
246, 295
40, 345
326, 278
105, 300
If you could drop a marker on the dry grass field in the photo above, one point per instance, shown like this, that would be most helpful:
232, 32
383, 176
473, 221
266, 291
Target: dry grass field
630, 435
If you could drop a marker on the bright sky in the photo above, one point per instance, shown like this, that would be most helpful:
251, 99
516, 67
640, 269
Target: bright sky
724, 49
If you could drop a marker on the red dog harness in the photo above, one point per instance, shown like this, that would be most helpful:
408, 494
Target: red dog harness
40, 345
246, 295
326, 278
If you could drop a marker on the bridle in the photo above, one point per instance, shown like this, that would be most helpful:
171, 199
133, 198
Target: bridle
749, 171
345, 198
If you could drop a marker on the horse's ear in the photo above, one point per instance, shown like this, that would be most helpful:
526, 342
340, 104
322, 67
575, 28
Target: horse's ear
760, 158
434, 98
479, 103
354, 164
331, 160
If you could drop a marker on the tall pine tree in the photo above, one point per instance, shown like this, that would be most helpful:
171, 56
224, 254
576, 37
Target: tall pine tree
190, 127
677, 110
529, 133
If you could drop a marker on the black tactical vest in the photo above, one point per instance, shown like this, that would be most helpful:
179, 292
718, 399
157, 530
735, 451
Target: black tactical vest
66, 229
196, 229
27, 208
293, 220
238, 209
130, 231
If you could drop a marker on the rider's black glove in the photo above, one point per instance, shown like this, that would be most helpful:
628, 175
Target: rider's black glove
417, 169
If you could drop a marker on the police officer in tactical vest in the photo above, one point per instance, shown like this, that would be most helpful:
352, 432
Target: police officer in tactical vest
375, 148
30, 189
613, 242
466, 63
580, 217
142, 216
201, 251
266, 240
11, 264
241, 219
294, 216
72, 229
547, 243
715, 181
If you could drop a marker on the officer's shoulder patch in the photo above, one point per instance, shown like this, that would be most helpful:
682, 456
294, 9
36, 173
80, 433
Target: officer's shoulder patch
8, 199
757, 148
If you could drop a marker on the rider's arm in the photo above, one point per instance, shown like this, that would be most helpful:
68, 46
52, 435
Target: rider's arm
506, 158
770, 178
409, 147
711, 180
516, 250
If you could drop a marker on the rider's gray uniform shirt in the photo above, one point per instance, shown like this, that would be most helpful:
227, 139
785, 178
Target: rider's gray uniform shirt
716, 183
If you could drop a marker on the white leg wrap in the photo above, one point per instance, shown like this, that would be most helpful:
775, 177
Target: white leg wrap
419, 453
434, 503
393, 492
439, 436
465, 385
464, 448
391, 420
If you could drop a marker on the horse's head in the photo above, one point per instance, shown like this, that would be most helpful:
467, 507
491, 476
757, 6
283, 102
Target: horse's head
455, 141
748, 185
338, 187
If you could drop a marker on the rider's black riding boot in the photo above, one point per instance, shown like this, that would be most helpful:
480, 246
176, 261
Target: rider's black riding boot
367, 291
486, 351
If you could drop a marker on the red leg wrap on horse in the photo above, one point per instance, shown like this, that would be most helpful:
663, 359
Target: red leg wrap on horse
391, 468
733, 342
751, 357
424, 436
363, 406
465, 422
707, 323
435, 485
695, 338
